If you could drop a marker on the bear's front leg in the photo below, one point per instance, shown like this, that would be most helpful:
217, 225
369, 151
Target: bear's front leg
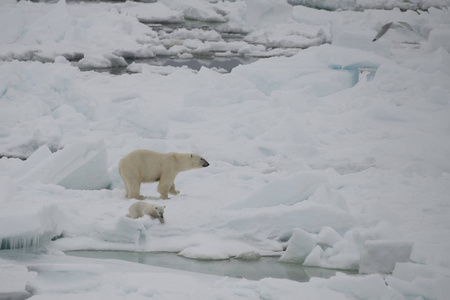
173, 191
163, 189
165, 184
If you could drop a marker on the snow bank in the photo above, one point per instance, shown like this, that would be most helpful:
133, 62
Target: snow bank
267, 12
61, 278
425, 281
282, 220
153, 13
291, 190
368, 4
71, 36
45, 104
196, 10
290, 36
79, 37
419, 280
13, 279
367, 287
311, 66
34, 227
13, 24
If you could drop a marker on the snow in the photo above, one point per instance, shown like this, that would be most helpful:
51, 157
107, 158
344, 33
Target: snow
330, 151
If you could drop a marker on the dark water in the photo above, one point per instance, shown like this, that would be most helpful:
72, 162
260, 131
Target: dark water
252, 270
207, 59
195, 63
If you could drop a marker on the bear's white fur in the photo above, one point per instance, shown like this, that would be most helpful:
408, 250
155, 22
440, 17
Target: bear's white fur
141, 208
149, 166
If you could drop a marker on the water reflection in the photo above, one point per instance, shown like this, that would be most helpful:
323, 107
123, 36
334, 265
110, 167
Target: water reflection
253, 270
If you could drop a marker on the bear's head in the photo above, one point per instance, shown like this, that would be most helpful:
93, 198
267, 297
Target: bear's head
159, 210
198, 162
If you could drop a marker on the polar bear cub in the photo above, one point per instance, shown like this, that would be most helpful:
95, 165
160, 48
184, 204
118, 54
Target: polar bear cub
149, 166
141, 208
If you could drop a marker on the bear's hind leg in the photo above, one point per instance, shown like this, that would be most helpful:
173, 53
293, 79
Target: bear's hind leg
134, 190
127, 190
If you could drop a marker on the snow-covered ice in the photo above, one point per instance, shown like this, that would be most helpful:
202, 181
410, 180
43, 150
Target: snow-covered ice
330, 151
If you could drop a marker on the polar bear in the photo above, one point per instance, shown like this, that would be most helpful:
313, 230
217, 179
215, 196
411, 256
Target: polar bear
150, 166
141, 208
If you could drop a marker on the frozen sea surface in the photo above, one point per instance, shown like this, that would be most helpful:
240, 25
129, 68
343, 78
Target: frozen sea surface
330, 150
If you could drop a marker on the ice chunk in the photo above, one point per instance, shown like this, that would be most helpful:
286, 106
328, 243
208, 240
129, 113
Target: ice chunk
300, 245
124, 230
252, 255
328, 237
99, 61
290, 36
37, 157
346, 252
314, 258
380, 256
80, 165
61, 60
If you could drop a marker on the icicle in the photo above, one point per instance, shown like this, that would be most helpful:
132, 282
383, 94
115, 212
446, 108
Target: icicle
27, 243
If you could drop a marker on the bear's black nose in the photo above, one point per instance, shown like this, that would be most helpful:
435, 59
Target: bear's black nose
205, 163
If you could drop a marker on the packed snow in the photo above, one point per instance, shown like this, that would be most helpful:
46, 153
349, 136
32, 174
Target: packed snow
332, 150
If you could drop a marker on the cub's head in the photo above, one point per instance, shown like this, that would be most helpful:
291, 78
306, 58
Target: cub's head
198, 162
159, 210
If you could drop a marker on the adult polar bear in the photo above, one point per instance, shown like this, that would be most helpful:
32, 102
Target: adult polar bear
150, 166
